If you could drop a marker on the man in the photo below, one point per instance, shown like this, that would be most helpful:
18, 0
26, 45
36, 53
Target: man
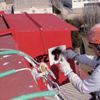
92, 83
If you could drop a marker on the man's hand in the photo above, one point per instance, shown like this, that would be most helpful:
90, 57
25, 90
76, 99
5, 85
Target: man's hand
69, 54
65, 67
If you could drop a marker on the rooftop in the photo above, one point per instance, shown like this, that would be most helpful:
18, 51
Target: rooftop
29, 25
9, 1
2, 1
46, 21
33, 2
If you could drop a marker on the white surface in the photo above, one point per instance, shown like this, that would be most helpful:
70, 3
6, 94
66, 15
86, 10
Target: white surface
51, 56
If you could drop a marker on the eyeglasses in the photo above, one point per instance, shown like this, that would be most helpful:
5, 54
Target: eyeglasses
95, 45
91, 43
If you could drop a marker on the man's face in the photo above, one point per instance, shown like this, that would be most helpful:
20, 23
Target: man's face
96, 51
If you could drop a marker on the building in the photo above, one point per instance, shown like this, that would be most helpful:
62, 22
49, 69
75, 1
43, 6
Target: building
32, 6
5, 7
9, 1
79, 3
2, 1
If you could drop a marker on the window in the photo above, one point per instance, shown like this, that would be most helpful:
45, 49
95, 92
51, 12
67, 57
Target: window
45, 9
89, 4
75, 1
33, 11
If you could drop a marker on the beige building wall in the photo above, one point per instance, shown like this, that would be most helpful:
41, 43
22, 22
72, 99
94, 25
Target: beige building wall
32, 6
34, 10
5, 7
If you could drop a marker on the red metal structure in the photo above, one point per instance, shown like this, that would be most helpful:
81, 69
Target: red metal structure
33, 34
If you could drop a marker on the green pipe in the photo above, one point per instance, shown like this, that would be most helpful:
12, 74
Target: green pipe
7, 73
35, 95
11, 52
8, 52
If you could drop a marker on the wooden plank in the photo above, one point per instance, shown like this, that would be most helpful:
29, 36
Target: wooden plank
71, 93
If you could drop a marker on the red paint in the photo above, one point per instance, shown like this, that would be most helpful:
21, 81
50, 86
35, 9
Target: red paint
7, 31
17, 84
80, 72
1, 12
2, 24
32, 40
